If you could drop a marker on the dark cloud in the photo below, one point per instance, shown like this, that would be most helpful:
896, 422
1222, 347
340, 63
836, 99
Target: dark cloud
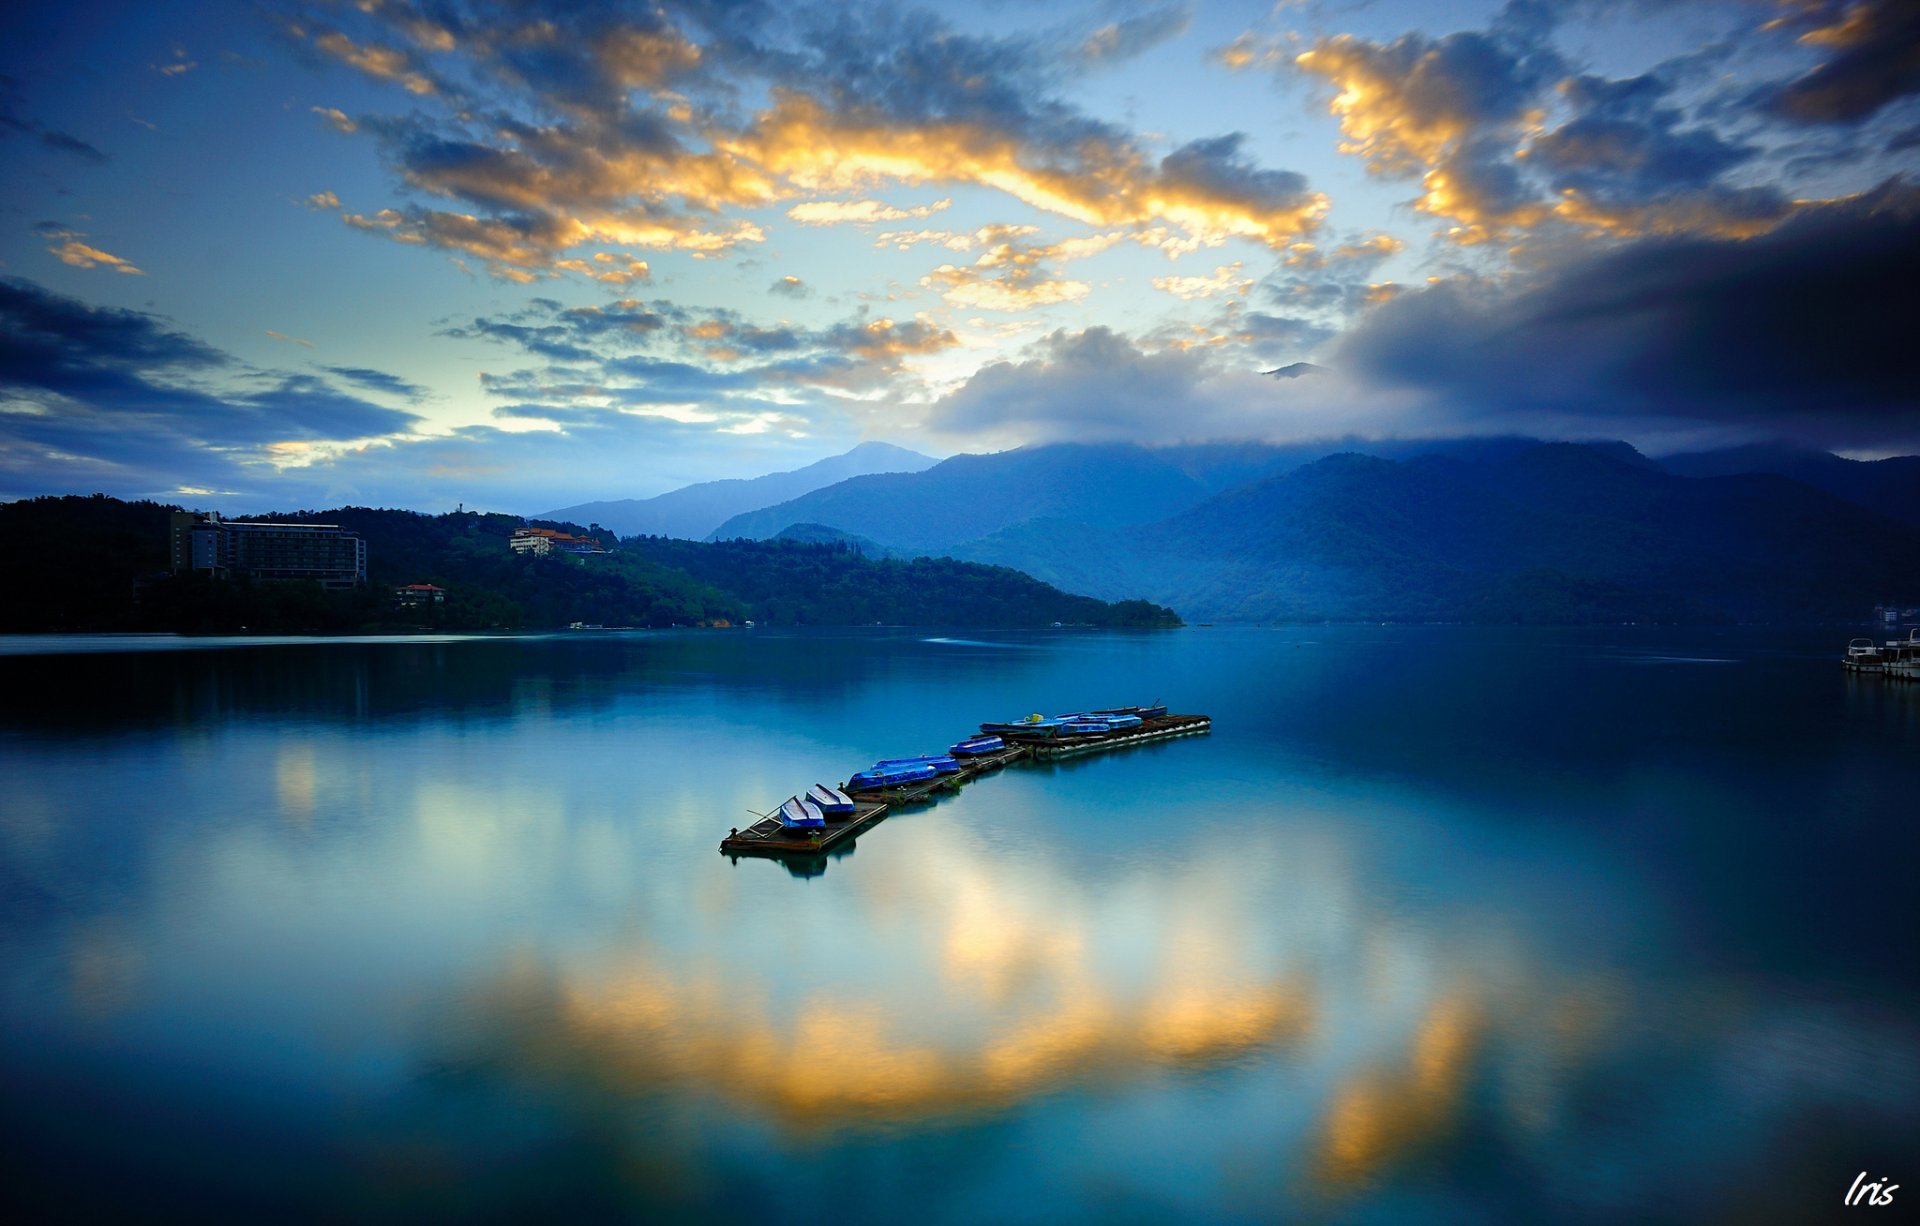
790, 287
1278, 336
378, 381
1626, 141
1875, 59
1213, 169
119, 400
14, 120
1803, 331
65, 143
54, 342
305, 407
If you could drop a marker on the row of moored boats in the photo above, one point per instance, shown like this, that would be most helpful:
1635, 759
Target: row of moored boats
1080, 724
822, 804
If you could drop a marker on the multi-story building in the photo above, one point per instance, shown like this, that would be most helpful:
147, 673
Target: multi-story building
325, 553
543, 541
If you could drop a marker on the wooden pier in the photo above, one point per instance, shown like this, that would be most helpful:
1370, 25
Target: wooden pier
768, 837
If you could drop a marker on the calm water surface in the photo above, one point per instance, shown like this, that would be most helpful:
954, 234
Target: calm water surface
1437, 925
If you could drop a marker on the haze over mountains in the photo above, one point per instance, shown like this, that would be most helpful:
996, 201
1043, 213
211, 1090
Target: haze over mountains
1465, 529
696, 510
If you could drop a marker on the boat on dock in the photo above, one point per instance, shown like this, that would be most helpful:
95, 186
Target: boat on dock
1084, 727
798, 814
942, 764
1035, 724
833, 804
973, 747
1157, 711
880, 778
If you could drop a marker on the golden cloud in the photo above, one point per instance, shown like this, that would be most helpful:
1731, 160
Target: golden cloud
1106, 184
1010, 275
80, 255
1226, 279
383, 63
834, 212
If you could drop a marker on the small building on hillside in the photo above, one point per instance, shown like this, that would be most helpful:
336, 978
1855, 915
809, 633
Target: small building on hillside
419, 595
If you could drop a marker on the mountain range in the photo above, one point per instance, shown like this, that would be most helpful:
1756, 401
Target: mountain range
1467, 529
694, 511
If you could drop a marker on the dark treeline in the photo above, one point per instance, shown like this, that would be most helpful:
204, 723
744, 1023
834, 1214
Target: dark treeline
97, 563
790, 582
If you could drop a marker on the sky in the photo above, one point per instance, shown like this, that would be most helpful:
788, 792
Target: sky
524, 254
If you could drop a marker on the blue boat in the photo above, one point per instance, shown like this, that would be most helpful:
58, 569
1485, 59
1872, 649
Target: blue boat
799, 814
830, 801
942, 764
1085, 727
976, 746
1156, 711
890, 777
1118, 723
1033, 725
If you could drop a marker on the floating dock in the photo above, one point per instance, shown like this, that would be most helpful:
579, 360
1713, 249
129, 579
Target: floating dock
768, 837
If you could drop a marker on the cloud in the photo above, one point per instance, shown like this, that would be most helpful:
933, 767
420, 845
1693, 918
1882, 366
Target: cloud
1100, 385
1014, 276
68, 249
378, 381
577, 126
1506, 140
66, 143
1875, 60
97, 398
383, 63
14, 120
790, 286
1123, 40
337, 119
1100, 178
1449, 110
295, 340
834, 212
1226, 279
714, 366
1799, 332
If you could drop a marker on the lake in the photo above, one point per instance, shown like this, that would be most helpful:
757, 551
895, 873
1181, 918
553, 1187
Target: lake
1438, 924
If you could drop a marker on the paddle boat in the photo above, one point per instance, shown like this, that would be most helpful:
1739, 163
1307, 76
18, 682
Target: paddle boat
832, 802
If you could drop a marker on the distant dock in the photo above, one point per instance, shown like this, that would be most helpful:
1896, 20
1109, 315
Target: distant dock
768, 837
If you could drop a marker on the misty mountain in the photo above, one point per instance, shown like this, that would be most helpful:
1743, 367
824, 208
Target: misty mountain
970, 496
694, 511
1891, 487
1556, 532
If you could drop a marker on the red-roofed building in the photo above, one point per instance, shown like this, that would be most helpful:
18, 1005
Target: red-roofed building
417, 595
